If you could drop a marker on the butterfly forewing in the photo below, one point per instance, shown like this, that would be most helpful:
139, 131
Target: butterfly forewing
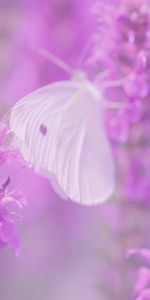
60, 132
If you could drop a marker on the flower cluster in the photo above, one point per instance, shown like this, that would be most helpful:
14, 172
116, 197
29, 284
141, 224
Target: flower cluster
122, 45
142, 284
6, 153
10, 202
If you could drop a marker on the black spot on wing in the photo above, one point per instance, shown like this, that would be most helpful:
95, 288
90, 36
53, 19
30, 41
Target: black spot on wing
43, 129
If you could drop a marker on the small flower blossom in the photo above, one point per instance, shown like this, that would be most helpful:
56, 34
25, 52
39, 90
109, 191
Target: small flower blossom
145, 295
7, 153
142, 284
10, 202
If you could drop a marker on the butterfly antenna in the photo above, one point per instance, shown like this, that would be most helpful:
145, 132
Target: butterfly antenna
18, 171
104, 74
7, 181
116, 83
83, 55
56, 60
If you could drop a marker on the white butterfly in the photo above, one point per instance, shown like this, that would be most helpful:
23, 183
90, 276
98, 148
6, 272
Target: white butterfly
60, 132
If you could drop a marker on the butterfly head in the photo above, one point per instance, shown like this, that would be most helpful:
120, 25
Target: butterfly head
79, 76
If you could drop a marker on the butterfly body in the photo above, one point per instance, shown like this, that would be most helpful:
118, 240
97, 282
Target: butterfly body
60, 132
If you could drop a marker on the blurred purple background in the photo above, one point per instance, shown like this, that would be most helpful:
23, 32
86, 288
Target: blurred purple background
69, 252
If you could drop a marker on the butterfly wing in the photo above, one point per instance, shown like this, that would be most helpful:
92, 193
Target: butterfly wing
59, 130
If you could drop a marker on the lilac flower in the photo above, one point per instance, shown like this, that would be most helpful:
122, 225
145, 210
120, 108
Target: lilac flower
9, 204
6, 153
121, 44
142, 284
145, 295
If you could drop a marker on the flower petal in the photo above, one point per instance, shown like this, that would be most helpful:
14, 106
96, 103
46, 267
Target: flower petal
9, 236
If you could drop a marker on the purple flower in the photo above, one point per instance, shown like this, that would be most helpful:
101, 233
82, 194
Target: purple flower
121, 45
7, 153
145, 295
142, 284
10, 202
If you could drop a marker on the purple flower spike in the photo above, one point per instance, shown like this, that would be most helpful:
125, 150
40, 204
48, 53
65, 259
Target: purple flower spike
10, 202
9, 205
121, 45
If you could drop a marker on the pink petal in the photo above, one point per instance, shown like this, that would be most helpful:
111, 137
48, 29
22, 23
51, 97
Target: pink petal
143, 279
145, 295
3, 132
9, 236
